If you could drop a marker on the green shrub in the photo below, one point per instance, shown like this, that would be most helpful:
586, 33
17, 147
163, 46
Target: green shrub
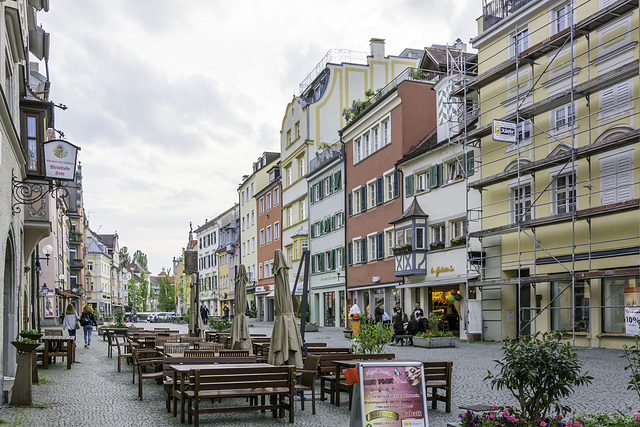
221, 324
539, 372
372, 340
632, 354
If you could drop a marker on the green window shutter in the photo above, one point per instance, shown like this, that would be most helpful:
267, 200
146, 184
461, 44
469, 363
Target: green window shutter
313, 264
321, 263
342, 261
338, 180
408, 185
333, 222
333, 259
468, 163
321, 190
313, 231
331, 184
433, 176
311, 196
440, 174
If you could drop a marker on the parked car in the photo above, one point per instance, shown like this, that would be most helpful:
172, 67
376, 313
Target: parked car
162, 317
152, 316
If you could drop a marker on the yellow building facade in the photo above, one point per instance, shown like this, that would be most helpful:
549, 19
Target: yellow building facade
559, 211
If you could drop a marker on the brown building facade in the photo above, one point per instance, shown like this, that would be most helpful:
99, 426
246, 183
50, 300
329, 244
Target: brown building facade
393, 125
269, 238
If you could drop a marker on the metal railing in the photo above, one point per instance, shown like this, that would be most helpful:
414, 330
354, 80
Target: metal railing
325, 156
494, 11
337, 56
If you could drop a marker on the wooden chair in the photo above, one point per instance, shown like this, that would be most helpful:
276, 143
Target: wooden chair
145, 358
200, 353
207, 346
190, 340
234, 353
437, 376
56, 348
177, 347
308, 380
124, 350
53, 332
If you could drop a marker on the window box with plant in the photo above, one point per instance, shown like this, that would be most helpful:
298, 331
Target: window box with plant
436, 245
459, 241
402, 249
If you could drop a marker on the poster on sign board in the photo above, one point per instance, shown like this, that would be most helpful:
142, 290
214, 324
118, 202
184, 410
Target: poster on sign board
392, 394
60, 159
632, 320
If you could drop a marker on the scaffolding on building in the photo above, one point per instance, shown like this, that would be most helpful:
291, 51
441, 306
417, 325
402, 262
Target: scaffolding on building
537, 185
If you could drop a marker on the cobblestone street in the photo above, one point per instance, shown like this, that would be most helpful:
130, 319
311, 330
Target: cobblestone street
93, 393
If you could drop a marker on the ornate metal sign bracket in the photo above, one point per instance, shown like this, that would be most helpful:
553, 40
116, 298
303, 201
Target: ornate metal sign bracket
30, 192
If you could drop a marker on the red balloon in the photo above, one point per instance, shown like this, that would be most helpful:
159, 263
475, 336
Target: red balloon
453, 292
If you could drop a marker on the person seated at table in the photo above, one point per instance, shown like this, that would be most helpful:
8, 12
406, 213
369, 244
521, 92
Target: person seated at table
423, 323
413, 327
398, 327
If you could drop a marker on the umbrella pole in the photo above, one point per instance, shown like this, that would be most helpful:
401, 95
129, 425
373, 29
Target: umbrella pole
305, 291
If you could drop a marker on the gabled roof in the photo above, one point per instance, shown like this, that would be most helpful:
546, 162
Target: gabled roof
413, 211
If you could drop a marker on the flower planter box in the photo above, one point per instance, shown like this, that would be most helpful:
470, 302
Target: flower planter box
348, 333
401, 250
436, 246
435, 342
311, 328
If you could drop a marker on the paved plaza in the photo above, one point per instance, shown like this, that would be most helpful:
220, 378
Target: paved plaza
93, 393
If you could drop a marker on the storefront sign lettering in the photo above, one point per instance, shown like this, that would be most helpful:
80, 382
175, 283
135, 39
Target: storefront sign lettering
441, 269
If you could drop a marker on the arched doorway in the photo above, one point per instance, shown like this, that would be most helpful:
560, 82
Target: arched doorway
9, 313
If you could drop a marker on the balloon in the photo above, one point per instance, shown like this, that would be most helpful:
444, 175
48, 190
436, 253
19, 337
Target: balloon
452, 298
453, 292
458, 297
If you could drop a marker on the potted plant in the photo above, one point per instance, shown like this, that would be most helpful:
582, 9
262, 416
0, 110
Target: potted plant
434, 339
25, 345
373, 339
436, 245
32, 334
310, 327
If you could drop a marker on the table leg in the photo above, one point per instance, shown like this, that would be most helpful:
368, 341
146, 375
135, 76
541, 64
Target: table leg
45, 359
335, 386
182, 398
69, 353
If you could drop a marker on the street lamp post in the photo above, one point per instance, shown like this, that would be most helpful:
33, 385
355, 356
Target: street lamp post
42, 294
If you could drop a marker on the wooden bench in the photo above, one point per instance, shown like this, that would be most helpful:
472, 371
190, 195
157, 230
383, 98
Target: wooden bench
173, 394
403, 339
437, 376
328, 371
260, 380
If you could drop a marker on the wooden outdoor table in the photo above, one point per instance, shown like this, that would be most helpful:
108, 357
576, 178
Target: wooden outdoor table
49, 340
180, 371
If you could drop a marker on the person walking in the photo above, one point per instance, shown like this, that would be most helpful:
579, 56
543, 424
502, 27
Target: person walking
88, 321
70, 320
378, 312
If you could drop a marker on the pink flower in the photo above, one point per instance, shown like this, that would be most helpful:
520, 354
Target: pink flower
543, 424
637, 418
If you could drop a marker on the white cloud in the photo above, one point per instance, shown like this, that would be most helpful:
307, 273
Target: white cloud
172, 102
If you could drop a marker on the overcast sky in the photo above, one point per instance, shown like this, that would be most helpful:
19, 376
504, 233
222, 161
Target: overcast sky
172, 101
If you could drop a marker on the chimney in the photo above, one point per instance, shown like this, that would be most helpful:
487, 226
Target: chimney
377, 48
462, 47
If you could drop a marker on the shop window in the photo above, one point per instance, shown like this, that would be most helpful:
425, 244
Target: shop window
618, 293
562, 310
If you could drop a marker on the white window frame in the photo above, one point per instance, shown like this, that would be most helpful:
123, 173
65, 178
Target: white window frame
262, 237
356, 202
520, 201
385, 125
339, 222
357, 249
389, 235
458, 228
301, 166
276, 230
519, 42
564, 189
375, 137
268, 232
303, 210
366, 147
563, 118
276, 196
438, 233
357, 150
267, 198
562, 18
372, 247
422, 181
371, 190
261, 205
388, 185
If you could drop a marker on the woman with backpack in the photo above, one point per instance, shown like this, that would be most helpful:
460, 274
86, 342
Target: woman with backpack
88, 321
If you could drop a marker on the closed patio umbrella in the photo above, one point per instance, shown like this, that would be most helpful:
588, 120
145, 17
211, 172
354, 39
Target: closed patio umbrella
240, 337
286, 342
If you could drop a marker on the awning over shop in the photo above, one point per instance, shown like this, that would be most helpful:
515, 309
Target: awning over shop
441, 282
66, 294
